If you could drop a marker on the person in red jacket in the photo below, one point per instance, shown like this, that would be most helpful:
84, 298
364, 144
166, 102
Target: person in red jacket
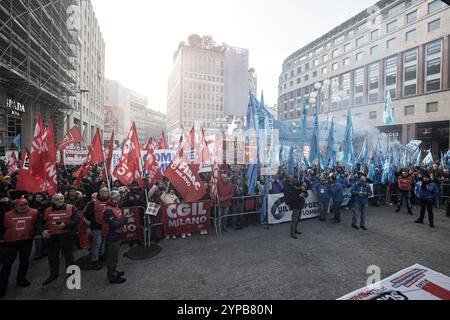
405, 183
226, 193
20, 226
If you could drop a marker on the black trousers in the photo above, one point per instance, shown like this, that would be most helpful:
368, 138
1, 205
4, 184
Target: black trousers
57, 245
426, 204
10, 255
112, 258
294, 222
404, 195
337, 213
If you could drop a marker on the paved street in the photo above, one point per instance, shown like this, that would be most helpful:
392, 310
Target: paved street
326, 262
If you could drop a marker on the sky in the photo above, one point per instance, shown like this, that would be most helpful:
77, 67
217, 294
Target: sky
142, 35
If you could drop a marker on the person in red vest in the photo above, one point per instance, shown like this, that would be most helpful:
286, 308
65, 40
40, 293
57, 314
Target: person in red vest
20, 226
60, 222
114, 227
405, 184
94, 214
226, 193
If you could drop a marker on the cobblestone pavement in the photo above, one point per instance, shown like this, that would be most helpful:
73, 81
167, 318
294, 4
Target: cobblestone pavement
326, 262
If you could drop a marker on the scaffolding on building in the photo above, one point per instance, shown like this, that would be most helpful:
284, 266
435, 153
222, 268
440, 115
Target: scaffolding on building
38, 52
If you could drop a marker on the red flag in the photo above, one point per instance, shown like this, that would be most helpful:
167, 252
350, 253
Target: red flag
71, 137
185, 178
26, 182
152, 166
129, 169
12, 164
215, 177
38, 150
162, 142
151, 144
50, 181
109, 153
95, 155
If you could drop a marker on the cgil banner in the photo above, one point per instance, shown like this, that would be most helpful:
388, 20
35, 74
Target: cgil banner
181, 218
133, 224
414, 283
279, 212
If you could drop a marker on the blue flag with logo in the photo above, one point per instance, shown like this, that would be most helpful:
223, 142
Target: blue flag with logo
315, 140
17, 142
428, 159
388, 115
363, 154
291, 164
348, 139
416, 157
330, 158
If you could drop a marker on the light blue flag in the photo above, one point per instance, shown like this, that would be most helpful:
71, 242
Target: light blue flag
371, 173
17, 142
442, 159
416, 157
388, 116
363, 154
447, 160
251, 181
413, 145
315, 140
291, 164
263, 211
404, 161
304, 163
388, 170
330, 158
377, 155
348, 139
428, 159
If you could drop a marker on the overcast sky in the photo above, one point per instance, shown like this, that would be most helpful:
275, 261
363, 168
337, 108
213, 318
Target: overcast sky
141, 35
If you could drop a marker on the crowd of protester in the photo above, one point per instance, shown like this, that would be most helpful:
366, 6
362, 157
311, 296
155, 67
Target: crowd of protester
417, 186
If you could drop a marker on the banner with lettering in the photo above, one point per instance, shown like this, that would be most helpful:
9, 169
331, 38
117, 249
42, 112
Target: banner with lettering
279, 211
414, 283
133, 224
181, 218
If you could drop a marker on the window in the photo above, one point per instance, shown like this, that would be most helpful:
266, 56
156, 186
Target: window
410, 35
314, 74
359, 56
299, 70
359, 42
409, 110
391, 27
390, 44
373, 50
432, 107
324, 70
346, 90
410, 73
299, 80
325, 58
306, 77
315, 62
346, 61
411, 17
372, 115
335, 53
374, 35
347, 47
292, 73
334, 66
391, 75
410, 90
433, 64
434, 6
307, 66
433, 25
359, 86
374, 78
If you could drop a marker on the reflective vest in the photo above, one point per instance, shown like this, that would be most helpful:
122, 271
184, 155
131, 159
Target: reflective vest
20, 226
99, 208
118, 215
53, 218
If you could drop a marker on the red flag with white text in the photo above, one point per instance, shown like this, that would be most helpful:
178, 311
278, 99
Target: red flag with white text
25, 181
12, 164
50, 180
185, 178
38, 150
95, 156
162, 141
71, 137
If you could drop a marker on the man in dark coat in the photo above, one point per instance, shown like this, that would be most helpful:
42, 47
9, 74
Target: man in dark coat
295, 197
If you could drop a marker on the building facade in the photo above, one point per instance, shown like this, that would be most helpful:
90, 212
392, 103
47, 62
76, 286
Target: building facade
90, 73
123, 107
397, 46
205, 85
37, 73
253, 81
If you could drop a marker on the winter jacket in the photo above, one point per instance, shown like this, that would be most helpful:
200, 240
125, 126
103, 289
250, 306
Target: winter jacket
431, 192
405, 184
337, 193
323, 192
362, 200
226, 192
293, 199
277, 187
